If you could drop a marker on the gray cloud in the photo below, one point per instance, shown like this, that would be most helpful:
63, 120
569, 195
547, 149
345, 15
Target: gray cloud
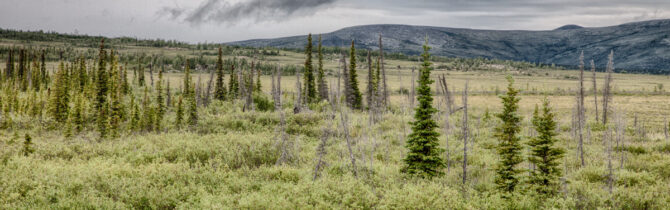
222, 11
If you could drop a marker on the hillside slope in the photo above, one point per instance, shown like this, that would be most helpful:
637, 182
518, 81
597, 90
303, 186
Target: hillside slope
639, 46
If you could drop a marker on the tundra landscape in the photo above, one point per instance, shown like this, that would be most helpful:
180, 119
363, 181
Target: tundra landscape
382, 116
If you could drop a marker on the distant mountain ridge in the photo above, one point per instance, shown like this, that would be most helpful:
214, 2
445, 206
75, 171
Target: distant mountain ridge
638, 46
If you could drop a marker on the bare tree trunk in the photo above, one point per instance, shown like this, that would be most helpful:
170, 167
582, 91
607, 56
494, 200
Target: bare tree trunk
610, 175
240, 83
595, 90
370, 90
447, 95
282, 120
465, 132
321, 149
447, 124
344, 117
580, 108
411, 96
151, 71
249, 105
381, 54
607, 90
297, 104
209, 88
347, 85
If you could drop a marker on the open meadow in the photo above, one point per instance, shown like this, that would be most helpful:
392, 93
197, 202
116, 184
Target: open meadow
327, 156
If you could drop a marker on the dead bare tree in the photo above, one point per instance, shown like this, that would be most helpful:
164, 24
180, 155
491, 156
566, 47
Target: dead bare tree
297, 104
465, 132
607, 89
151, 71
209, 88
610, 175
282, 119
344, 118
241, 83
381, 54
370, 92
595, 89
321, 149
447, 124
345, 73
580, 109
249, 90
412, 92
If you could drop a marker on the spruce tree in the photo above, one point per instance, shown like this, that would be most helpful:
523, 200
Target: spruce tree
544, 154
509, 148
310, 90
220, 89
135, 115
116, 106
102, 87
160, 102
59, 101
234, 85
140, 72
179, 119
192, 110
189, 92
424, 156
147, 120
321, 76
78, 113
355, 99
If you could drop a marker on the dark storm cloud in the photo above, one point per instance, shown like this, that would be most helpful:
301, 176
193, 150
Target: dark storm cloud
222, 11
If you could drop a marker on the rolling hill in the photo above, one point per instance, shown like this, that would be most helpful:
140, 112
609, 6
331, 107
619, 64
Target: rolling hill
638, 46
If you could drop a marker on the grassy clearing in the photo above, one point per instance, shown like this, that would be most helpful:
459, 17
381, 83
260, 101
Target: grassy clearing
228, 160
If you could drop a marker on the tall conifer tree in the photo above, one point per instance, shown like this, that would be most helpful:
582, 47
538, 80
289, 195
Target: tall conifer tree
59, 101
102, 87
220, 88
355, 99
310, 89
424, 156
509, 148
544, 154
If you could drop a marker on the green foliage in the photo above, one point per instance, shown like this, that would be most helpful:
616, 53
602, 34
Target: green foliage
262, 102
160, 102
179, 119
220, 87
354, 98
310, 88
509, 148
28, 145
544, 154
423, 158
60, 96
321, 77
102, 87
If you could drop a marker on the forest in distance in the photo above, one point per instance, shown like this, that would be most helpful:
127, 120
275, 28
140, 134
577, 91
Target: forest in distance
120, 123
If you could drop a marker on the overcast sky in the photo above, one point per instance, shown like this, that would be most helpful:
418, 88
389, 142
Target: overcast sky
232, 20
